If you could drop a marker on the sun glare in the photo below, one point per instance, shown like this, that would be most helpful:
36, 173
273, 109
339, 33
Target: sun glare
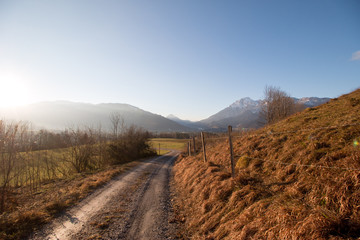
13, 91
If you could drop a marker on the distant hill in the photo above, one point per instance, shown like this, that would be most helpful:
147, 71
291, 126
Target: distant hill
244, 113
60, 114
187, 123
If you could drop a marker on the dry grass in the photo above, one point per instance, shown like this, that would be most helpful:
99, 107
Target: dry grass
282, 197
31, 211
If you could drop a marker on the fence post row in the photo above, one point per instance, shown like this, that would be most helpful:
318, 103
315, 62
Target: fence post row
203, 145
231, 152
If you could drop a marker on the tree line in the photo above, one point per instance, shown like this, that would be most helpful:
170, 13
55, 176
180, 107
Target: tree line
29, 158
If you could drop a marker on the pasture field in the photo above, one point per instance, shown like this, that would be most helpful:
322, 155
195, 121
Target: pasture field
168, 144
34, 167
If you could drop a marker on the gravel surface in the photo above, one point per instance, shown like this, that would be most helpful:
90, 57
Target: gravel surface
135, 205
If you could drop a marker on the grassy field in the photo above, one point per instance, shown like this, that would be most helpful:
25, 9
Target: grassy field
168, 144
35, 167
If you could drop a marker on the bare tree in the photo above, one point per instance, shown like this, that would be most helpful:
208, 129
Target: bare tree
101, 138
277, 104
12, 138
81, 148
117, 124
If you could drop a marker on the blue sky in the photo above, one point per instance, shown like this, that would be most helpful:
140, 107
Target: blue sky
188, 58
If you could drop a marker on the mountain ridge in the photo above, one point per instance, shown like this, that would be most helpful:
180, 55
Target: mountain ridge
57, 115
243, 113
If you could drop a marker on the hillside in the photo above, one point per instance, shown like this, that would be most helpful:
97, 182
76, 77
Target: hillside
60, 114
297, 179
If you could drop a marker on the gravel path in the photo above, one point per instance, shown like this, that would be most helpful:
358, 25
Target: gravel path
135, 205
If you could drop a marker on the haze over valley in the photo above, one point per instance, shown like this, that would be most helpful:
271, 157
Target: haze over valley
58, 115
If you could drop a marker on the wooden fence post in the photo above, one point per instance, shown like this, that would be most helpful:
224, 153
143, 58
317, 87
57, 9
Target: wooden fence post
189, 148
203, 145
231, 152
194, 145
159, 149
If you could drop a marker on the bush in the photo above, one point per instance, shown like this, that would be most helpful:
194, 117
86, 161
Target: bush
130, 145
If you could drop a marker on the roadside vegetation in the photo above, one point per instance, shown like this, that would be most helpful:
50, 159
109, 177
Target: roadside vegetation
42, 173
298, 178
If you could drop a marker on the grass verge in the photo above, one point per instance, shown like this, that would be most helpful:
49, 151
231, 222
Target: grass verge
35, 209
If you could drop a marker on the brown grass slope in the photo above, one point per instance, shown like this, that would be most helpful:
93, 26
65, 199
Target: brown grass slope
297, 184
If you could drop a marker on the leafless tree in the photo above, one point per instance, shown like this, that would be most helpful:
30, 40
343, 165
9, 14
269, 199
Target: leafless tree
102, 156
12, 137
80, 152
277, 104
117, 124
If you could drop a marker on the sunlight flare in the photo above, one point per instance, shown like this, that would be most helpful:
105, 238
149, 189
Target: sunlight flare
14, 91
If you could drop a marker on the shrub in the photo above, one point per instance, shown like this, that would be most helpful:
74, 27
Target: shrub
130, 145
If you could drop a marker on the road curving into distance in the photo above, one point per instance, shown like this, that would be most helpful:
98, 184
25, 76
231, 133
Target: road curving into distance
134, 205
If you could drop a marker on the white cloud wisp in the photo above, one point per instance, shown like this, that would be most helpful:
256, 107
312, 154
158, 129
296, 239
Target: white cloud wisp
355, 56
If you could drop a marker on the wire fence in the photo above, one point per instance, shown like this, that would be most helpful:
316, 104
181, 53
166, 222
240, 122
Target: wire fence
213, 137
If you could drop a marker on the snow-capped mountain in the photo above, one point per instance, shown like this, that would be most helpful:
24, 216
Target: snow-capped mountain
245, 113
243, 106
246, 104
311, 101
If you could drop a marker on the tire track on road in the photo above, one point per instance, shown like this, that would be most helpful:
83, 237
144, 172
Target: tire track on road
149, 219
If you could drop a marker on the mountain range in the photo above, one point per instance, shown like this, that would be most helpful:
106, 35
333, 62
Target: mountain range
243, 113
62, 114
57, 115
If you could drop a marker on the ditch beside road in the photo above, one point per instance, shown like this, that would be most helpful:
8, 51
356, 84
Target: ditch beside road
134, 205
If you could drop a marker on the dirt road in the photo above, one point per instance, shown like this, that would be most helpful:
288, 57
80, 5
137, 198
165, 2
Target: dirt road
135, 205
